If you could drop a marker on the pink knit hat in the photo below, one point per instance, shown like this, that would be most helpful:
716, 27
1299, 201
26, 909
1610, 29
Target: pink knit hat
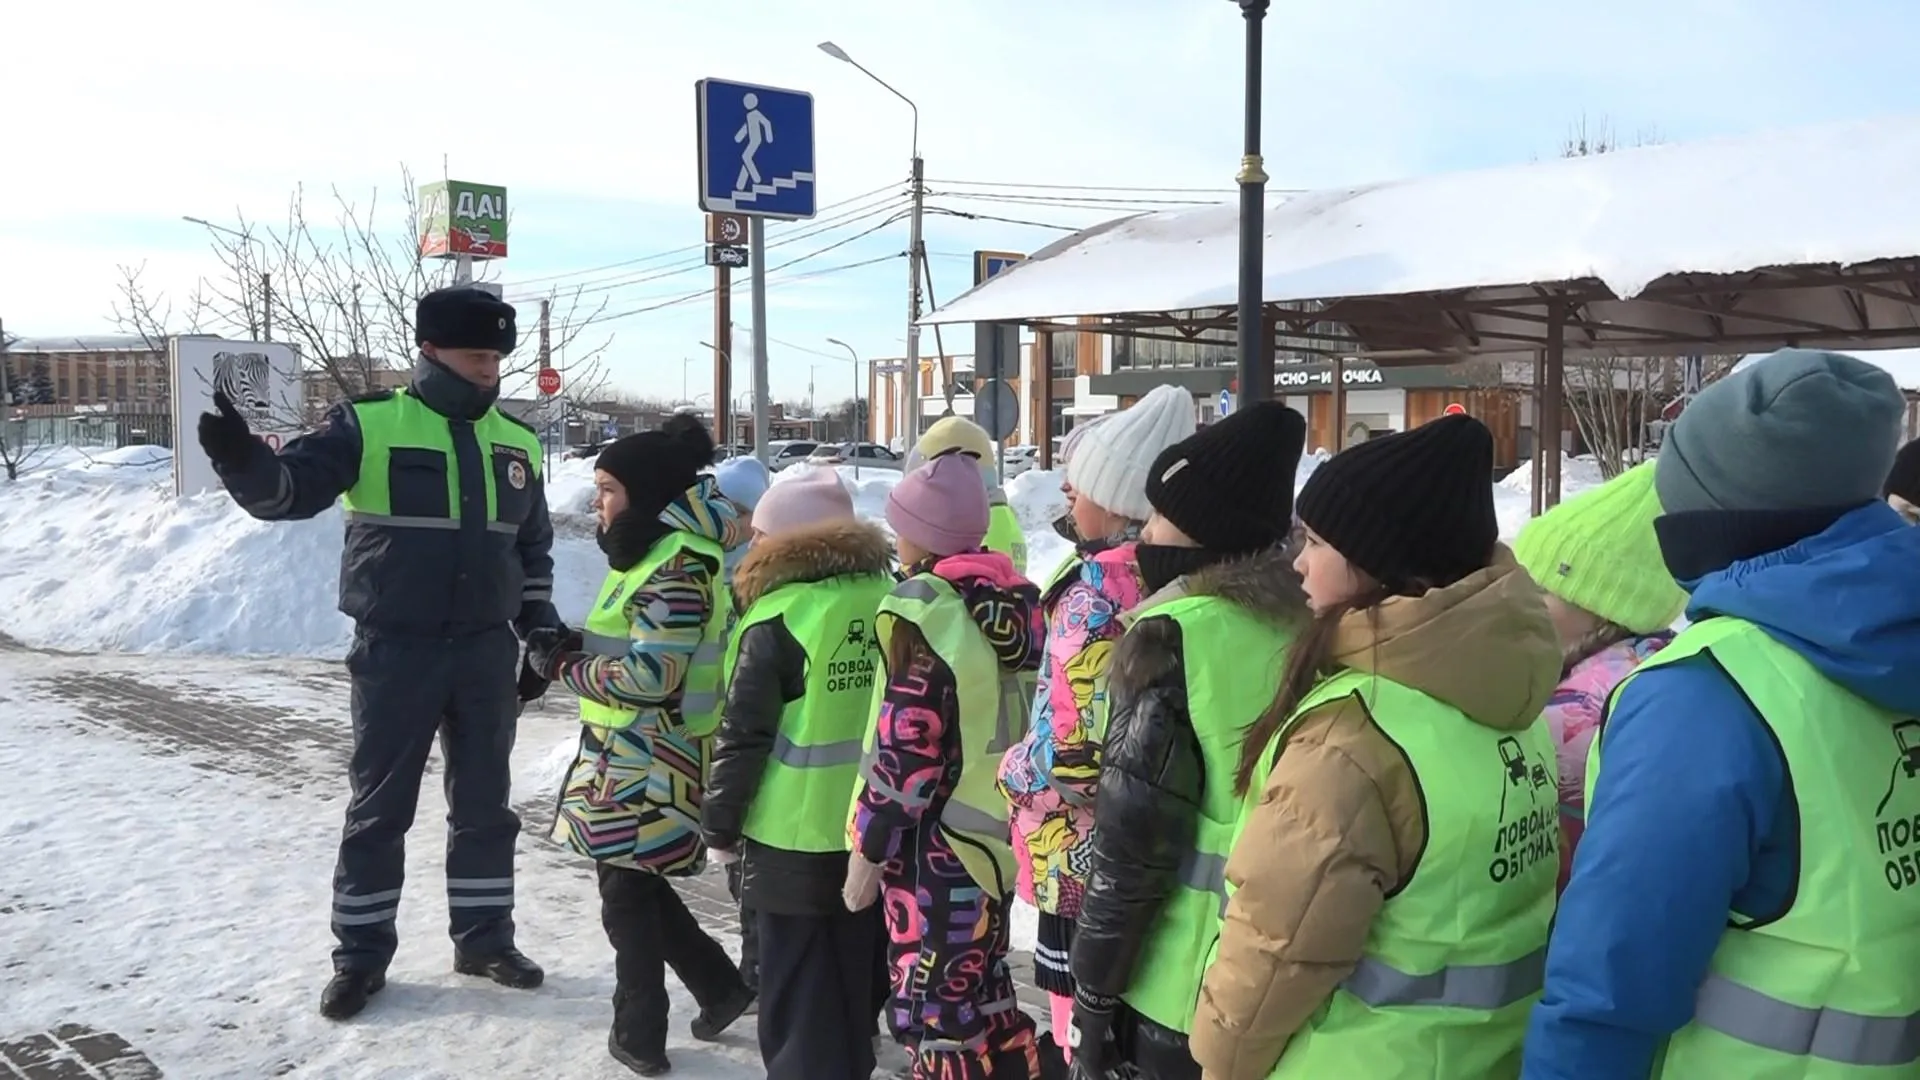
815, 497
941, 506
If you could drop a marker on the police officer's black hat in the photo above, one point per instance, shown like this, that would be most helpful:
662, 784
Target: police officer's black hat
463, 317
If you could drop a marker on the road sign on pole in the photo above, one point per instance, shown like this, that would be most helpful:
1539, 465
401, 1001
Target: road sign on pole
1226, 403
549, 381
997, 408
1455, 409
988, 263
756, 150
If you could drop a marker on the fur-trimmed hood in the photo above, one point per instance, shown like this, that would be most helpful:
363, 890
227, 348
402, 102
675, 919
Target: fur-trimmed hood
1263, 584
825, 551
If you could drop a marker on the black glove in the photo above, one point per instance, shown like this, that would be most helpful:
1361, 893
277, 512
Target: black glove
550, 646
224, 435
532, 684
1092, 1036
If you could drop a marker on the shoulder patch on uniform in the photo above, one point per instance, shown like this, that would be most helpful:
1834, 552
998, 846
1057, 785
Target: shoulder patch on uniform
371, 395
509, 416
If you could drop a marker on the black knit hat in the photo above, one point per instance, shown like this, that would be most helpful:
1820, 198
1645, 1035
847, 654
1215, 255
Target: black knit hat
1416, 506
657, 467
1904, 479
464, 317
1229, 486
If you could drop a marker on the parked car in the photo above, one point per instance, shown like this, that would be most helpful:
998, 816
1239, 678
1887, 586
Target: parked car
587, 452
1020, 459
782, 453
864, 454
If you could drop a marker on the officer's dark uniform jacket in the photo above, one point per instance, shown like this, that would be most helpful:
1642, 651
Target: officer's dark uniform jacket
425, 567
770, 673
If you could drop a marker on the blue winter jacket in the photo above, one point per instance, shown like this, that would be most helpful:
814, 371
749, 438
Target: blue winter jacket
1688, 819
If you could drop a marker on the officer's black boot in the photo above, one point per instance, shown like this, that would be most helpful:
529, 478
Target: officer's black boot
347, 993
508, 967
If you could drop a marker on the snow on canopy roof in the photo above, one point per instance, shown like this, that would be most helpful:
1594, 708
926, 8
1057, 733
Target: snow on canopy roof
1840, 194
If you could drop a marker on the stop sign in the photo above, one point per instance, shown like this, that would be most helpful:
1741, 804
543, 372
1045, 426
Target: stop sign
549, 381
1455, 409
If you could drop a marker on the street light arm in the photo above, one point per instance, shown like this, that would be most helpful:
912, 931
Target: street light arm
888, 87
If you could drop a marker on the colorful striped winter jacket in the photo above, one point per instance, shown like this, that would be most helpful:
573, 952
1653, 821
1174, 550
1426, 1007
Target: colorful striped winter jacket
632, 796
1049, 778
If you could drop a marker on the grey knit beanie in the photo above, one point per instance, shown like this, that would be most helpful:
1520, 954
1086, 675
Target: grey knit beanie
1798, 430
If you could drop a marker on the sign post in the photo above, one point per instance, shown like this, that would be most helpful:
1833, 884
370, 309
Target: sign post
549, 381
755, 149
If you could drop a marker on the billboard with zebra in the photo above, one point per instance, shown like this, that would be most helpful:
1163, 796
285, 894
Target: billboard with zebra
261, 378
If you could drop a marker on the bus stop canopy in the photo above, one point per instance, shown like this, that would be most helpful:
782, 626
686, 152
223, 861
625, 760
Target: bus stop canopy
1804, 237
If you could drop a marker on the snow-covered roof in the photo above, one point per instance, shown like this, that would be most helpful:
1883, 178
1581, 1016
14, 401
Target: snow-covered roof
1617, 223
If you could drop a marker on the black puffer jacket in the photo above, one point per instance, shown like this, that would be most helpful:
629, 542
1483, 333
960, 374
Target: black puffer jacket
1151, 782
769, 673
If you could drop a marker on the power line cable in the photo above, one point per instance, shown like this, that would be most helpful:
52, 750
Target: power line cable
1089, 187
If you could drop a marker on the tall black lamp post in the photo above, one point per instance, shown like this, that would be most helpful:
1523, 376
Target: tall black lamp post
1255, 364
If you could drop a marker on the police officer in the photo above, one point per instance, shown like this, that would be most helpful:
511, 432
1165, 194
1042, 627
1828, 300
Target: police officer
447, 544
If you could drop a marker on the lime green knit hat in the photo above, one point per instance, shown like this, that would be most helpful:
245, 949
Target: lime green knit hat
1597, 552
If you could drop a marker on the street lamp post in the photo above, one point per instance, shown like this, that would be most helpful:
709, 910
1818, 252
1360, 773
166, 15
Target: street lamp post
1255, 363
266, 278
916, 253
855, 417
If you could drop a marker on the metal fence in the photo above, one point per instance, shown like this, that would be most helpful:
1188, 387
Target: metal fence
90, 431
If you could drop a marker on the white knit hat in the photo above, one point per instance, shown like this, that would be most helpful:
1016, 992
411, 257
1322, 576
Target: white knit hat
1110, 464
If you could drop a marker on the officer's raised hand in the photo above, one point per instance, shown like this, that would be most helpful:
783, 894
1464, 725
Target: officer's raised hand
224, 434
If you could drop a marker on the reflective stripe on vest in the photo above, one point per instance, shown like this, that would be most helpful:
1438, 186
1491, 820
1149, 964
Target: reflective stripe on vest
608, 633
410, 474
1456, 958
1232, 660
1825, 989
993, 716
810, 773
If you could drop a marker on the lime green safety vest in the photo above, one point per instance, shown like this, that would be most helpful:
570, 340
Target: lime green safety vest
1456, 959
410, 476
1239, 661
992, 718
802, 800
1005, 537
1830, 988
608, 633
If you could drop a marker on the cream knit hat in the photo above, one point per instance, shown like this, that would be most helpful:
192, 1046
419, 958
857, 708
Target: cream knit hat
1110, 464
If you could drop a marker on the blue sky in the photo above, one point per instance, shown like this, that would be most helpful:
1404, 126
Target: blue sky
584, 109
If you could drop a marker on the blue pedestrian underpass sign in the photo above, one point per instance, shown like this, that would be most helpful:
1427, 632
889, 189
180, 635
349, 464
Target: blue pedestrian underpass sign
756, 150
1226, 402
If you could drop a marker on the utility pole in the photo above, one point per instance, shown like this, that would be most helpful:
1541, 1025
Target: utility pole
6, 372
757, 271
1256, 370
723, 356
266, 302
911, 376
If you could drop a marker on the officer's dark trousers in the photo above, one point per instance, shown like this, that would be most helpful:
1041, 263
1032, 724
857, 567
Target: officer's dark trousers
651, 930
816, 995
405, 691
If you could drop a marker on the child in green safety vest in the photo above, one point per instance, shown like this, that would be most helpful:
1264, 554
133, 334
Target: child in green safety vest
1392, 882
799, 682
1050, 777
1192, 673
928, 826
643, 665
1743, 903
